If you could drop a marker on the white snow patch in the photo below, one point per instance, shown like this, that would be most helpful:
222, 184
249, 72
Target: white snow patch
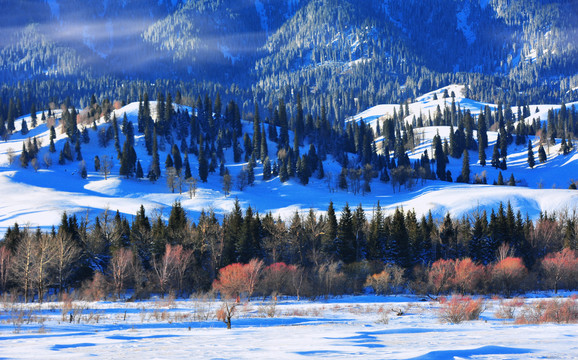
54, 8
262, 16
464, 24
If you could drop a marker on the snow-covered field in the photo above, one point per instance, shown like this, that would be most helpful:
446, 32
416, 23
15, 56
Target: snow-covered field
38, 198
368, 327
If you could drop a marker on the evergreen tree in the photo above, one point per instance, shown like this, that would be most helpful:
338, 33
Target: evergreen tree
346, 236
481, 154
155, 172
139, 172
96, 163
257, 132
496, 156
177, 160
465, 176
188, 173
500, 179
542, 154
266, 169
203, 163
531, 161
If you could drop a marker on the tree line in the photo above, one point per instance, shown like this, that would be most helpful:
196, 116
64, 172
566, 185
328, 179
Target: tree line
148, 254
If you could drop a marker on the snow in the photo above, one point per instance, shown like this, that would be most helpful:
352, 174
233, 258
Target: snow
367, 327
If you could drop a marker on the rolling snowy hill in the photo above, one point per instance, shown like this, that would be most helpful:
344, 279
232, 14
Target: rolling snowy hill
38, 198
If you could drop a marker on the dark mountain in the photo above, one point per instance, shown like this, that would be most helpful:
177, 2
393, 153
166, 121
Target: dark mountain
354, 53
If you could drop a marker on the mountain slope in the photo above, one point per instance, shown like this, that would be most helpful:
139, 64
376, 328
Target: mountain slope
39, 197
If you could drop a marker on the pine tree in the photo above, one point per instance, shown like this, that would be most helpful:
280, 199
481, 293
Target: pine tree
346, 236
267, 169
481, 154
96, 163
155, 172
177, 160
139, 172
257, 132
496, 156
188, 173
542, 154
465, 176
500, 179
24, 158
203, 163
531, 161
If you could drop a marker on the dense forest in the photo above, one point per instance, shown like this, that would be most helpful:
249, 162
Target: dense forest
325, 255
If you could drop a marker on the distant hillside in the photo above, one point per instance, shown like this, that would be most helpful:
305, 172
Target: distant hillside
341, 53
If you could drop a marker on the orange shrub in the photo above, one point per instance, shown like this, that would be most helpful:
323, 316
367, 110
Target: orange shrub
467, 276
508, 274
440, 276
560, 268
461, 308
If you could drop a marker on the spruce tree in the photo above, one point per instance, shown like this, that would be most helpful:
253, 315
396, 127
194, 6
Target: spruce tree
188, 173
139, 172
542, 154
481, 154
155, 172
267, 169
531, 161
496, 156
203, 163
465, 176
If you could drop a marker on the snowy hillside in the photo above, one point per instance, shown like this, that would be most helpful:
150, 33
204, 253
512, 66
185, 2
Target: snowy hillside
39, 197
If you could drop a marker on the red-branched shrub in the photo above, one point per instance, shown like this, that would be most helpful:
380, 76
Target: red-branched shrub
440, 276
237, 279
460, 308
550, 311
275, 278
560, 269
508, 274
467, 276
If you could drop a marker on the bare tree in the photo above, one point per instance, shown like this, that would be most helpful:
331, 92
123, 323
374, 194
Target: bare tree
11, 155
172, 178
106, 166
24, 263
192, 184
44, 261
183, 258
67, 253
47, 160
165, 268
253, 269
5, 265
120, 266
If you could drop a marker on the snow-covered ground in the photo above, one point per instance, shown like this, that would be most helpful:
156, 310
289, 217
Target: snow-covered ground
38, 198
368, 327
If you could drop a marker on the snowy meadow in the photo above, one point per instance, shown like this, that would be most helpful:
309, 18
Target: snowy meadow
372, 327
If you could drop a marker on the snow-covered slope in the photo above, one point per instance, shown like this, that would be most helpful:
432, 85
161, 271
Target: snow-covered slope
38, 198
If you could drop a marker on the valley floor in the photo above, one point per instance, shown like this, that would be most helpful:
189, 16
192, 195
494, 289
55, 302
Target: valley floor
369, 327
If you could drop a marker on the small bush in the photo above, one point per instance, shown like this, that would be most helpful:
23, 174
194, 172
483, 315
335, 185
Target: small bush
507, 309
387, 280
549, 311
460, 308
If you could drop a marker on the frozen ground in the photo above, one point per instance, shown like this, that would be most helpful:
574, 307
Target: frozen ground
368, 327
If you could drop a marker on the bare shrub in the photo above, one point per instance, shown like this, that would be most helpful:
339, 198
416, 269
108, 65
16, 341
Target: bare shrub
460, 308
550, 311
507, 309
387, 280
